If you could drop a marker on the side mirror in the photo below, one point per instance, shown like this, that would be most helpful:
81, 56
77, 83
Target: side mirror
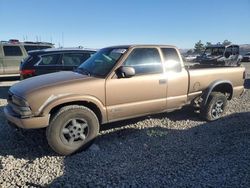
125, 72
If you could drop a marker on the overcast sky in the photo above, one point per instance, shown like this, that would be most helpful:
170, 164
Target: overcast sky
100, 23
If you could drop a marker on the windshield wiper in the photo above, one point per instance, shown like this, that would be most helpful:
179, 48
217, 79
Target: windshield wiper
83, 71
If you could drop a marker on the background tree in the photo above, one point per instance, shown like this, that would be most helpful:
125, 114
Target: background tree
189, 52
199, 47
226, 42
208, 44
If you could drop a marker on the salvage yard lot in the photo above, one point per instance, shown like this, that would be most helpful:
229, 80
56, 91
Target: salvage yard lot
174, 149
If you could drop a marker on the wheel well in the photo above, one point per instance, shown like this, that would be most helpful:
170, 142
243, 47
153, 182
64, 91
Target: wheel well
89, 105
224, 88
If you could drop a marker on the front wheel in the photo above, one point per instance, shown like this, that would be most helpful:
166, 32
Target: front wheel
72, 127
215, 107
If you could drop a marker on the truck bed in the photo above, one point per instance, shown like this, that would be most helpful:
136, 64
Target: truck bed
201, 76
203, 66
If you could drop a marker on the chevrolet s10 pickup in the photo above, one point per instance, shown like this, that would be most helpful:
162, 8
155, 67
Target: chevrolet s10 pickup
118, 83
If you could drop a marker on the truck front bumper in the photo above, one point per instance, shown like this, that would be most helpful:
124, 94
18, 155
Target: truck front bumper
26, 123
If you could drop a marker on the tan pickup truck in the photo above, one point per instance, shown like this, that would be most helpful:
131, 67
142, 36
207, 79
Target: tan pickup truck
118, 83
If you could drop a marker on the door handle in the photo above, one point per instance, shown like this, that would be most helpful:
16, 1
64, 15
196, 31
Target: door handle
162, 81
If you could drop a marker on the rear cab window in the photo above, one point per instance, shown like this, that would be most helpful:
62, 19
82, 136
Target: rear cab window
172, 60
12, 51
145, 61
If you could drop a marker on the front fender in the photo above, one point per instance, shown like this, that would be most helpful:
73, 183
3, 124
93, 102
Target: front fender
56, 100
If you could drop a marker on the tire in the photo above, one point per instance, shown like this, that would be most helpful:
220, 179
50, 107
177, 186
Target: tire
215, 107
72, 128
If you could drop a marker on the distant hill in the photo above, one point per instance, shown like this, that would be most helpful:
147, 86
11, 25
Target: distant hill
244, 48
183, 51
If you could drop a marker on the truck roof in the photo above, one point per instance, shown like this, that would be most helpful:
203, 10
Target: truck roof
142, 45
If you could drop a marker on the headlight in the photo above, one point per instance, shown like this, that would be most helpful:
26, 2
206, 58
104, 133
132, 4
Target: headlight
20, 106
19, 101
23, 111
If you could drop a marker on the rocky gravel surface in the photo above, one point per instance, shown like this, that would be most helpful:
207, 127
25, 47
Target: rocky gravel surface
177, 149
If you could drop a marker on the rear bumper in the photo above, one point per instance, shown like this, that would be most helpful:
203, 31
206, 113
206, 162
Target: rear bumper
26, 123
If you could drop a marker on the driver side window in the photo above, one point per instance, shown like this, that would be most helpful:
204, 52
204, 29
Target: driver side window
145, 61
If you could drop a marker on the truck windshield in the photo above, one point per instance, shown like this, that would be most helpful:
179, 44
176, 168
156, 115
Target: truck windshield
101, 63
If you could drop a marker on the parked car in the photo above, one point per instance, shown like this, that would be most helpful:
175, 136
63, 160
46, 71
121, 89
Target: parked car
118, 83
221, 55
246, 57
52, 60
13, 51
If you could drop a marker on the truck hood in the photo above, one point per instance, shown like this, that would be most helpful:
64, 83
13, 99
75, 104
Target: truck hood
31, 84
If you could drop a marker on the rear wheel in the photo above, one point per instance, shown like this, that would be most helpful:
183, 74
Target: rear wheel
215, 107
72, 128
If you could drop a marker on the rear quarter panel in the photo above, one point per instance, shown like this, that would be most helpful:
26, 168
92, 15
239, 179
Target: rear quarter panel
200, 79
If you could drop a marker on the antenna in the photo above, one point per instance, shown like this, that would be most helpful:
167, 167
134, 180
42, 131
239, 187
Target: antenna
62, 40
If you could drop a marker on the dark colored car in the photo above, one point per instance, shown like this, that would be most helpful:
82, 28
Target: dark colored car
47, 61
246, 57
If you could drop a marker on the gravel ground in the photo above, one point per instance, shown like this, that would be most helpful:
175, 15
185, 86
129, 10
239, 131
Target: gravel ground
166, 150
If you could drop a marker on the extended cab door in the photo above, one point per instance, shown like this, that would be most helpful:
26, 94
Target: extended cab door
141, 94
177, 78
12, 58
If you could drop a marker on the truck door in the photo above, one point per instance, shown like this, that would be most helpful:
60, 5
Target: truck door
141, 94
177, 79
12, 56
